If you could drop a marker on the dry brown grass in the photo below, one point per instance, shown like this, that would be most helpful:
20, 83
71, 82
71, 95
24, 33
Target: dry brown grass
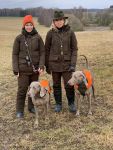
62, 131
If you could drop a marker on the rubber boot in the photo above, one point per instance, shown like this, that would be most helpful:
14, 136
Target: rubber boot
71, 98
58, 97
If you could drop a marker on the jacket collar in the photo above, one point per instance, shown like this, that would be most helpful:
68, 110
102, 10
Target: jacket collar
27, 34
63, 29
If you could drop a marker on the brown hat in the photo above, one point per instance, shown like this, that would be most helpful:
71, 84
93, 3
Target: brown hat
59, 15
28, 19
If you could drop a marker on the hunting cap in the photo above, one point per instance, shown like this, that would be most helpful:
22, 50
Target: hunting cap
28, 19
59, 15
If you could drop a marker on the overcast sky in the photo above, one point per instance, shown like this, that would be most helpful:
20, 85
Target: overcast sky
55, 3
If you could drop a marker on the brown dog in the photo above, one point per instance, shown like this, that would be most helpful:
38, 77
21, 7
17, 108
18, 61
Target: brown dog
83, 82
40, 97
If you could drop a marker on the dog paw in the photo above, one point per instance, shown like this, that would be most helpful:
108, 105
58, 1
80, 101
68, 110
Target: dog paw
36, 124
90, 113
77, 113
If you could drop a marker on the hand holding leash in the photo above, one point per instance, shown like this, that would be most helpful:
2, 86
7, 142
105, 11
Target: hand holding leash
16, 73
41, 71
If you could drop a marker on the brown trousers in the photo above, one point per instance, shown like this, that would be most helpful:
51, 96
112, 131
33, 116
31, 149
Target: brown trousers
57, 89
23, 84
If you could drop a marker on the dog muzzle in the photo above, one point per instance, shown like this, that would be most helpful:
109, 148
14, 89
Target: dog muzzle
82, 88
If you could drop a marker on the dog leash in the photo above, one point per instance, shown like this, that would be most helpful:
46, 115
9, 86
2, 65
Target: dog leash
29, 57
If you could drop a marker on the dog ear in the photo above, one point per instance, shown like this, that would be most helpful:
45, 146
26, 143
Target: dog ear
42, 91
84, 79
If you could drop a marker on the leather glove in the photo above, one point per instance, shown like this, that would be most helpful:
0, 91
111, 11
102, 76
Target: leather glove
42, 68
15, 73
71, 69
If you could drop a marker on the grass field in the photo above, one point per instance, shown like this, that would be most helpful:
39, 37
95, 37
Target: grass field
62, 131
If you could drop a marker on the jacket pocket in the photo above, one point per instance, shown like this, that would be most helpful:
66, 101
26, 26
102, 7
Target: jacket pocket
22, 61
53, 58
67, 57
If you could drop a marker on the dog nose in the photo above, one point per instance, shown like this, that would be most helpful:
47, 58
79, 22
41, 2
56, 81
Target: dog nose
68, 83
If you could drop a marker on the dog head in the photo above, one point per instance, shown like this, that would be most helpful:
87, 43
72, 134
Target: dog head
77, 78
79, 81
36, 89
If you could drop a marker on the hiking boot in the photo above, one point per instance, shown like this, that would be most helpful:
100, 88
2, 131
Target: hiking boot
58, 108
32, 110
72, 108
19, 114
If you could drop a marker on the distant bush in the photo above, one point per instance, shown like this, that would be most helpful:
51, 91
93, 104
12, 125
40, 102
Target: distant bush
111, 26
105, 17
45, 17
75, 23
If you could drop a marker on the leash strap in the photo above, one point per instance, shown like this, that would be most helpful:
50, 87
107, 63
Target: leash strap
34, 69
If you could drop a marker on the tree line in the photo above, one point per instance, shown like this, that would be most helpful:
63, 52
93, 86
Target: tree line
78, 17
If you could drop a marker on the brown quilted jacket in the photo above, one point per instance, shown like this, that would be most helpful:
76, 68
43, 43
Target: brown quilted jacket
36, 49
61, 49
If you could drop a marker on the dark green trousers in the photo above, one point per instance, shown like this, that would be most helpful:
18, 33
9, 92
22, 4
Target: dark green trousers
57, 89
23, 84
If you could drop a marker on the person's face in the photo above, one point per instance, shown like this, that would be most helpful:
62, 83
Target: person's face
29, 27
59, 23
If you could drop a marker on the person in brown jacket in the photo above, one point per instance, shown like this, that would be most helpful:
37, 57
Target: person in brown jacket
61, 56
28, 59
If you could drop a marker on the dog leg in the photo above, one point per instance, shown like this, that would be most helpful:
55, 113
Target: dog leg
36, 118
48, 104
78, 104
49, 97
45, 109
89, 104
46, 112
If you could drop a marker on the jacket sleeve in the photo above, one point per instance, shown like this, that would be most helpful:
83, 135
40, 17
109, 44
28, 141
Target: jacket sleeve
74, 49
42, 53
47, 47
15, 55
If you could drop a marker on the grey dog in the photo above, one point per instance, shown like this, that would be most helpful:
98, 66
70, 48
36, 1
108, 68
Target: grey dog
80, 82
40, 97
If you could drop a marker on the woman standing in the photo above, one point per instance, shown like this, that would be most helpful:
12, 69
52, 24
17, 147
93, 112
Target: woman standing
28, 59
61, 55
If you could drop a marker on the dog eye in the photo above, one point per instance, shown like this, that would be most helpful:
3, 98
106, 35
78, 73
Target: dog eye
75, 76
34, 88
